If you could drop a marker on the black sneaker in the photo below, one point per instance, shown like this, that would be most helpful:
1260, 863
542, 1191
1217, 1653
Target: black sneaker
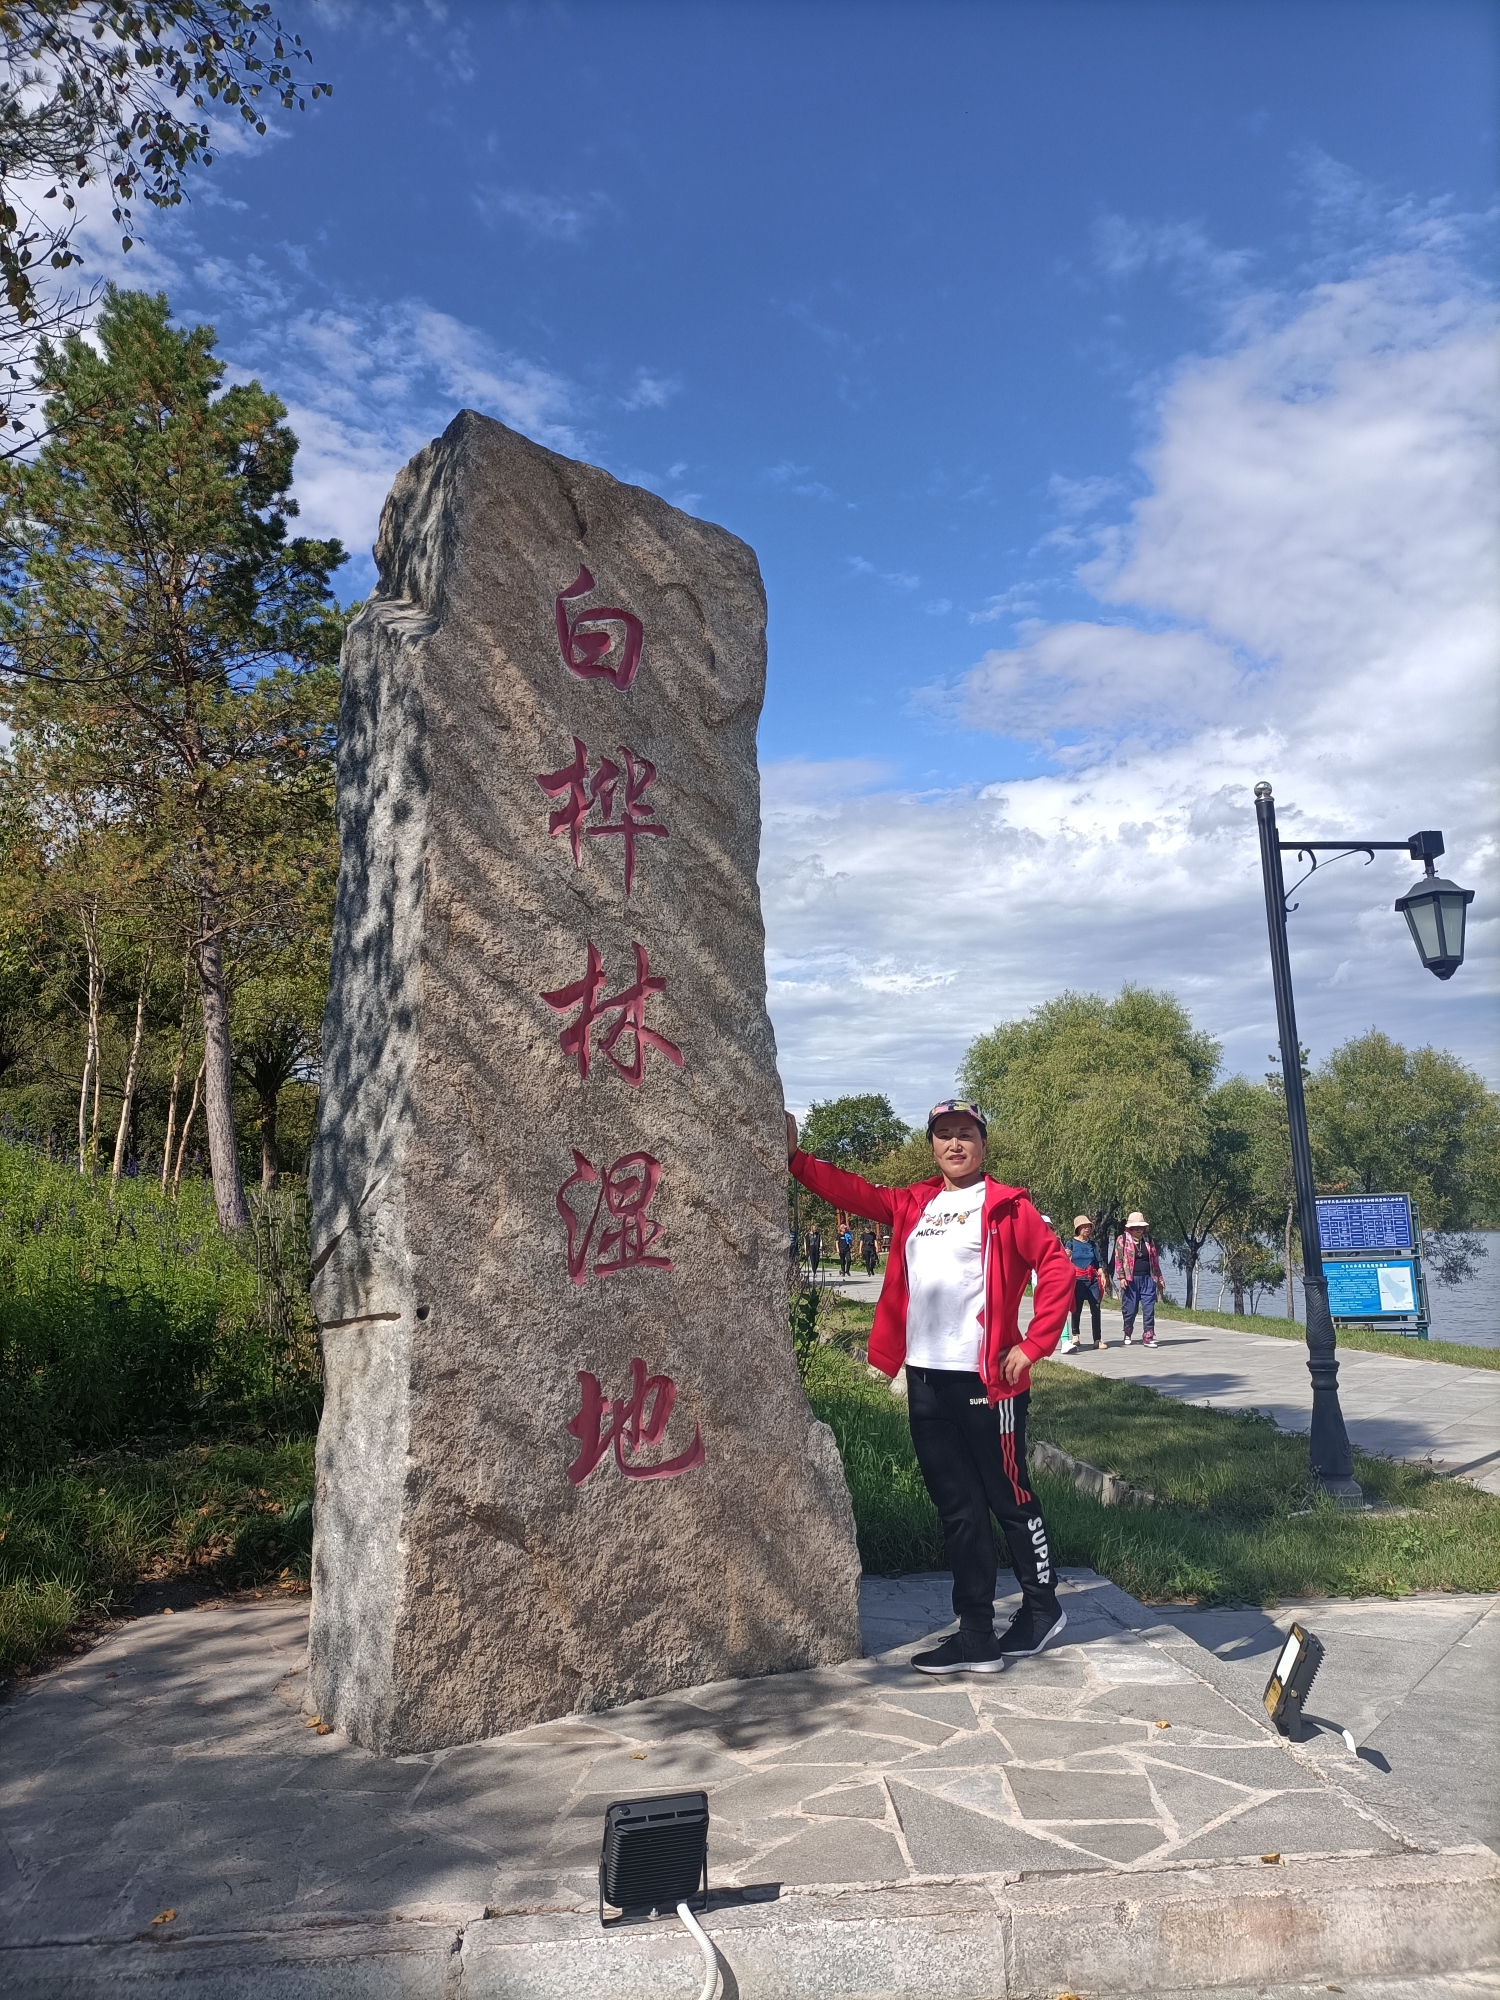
963, 1653
1029, 1631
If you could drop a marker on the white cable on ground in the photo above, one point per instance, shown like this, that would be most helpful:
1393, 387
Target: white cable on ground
706, 1946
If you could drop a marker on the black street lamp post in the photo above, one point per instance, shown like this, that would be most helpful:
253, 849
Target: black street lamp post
1435, 911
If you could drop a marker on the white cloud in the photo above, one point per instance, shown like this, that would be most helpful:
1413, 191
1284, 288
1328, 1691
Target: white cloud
651, 392
367, 386
559, 218
1124, 248
798, 479
898, 579
1015, 602
1109, 681
1306, 591
1073, 498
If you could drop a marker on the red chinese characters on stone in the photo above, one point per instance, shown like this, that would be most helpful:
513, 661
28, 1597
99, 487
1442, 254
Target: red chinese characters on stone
628, 1008
586, 648
580, 795
619, 1234
628, 1424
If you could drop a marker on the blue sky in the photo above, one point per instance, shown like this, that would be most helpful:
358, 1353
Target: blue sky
1107, 390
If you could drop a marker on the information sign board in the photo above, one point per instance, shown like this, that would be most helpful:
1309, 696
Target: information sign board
1373, 1288
1350, 1223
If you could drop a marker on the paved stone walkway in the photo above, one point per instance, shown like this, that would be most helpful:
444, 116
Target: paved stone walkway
1415, 1681
172, 1769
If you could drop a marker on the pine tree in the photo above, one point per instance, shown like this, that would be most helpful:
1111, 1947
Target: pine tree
168, 648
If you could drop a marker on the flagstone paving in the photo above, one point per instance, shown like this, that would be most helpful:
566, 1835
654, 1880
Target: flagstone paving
172, 1768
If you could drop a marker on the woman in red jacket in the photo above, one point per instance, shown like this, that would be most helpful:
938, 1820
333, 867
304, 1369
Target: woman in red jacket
962, 1249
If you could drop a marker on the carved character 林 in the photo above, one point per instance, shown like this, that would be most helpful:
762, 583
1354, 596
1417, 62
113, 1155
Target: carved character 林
629, 1008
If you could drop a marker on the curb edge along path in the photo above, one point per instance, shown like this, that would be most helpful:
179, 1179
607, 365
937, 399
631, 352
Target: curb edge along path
1394, 1408
1413, 1922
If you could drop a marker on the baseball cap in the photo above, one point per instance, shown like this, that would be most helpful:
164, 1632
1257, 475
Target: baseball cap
963, 1104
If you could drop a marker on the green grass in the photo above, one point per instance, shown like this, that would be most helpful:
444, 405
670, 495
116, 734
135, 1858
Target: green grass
131, 1319
158, 1389
74, 1542
1239, 1521
1455, 1352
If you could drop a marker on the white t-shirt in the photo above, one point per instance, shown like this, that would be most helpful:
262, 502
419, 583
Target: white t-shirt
945, 1278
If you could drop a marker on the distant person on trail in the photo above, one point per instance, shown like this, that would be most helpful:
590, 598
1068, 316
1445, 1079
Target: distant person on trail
846, 1250
1138, 1275
1088, 1278
814, 1250
867, 1250
962, 1249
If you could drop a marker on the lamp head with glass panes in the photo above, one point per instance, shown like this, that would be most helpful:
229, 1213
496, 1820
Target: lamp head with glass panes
1435, 910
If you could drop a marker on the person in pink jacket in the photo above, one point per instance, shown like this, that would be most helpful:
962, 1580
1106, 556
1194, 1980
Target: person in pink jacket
963, 1247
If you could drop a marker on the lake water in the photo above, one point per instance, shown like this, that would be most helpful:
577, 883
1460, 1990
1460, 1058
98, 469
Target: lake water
1468, 1312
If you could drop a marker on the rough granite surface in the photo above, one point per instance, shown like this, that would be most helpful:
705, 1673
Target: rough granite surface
470, 1277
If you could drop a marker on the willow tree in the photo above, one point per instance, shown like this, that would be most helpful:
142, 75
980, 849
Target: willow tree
167, 645
1094, 1104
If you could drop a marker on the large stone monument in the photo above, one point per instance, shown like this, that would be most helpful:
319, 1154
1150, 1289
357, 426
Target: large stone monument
565, 1458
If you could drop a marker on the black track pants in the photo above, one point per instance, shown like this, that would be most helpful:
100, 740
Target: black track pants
973, 1458
1085, 1295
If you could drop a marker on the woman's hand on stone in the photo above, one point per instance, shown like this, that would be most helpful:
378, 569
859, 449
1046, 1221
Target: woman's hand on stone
791, 1135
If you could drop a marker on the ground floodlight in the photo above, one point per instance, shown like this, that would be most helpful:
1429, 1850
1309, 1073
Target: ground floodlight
655, 1853
1292, 1676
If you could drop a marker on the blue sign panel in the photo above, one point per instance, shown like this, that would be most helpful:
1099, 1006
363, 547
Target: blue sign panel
1371, 1288
1353, 1222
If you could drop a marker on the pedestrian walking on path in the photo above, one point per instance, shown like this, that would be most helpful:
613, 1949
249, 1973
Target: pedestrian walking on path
867, 1249
1138, 1275
846, 1250
814, 1251
962, 1249
1088, 1279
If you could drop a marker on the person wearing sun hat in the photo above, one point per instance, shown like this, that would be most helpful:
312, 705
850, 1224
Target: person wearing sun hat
1138, 1276
963, 1247
1088, 1279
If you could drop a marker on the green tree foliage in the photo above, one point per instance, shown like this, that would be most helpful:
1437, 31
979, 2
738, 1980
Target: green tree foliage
277, 1021
909, 1163
168, 653
1212, 1186
111, 94
852, 1132
1410, 1121
855, 1133
1093, 1103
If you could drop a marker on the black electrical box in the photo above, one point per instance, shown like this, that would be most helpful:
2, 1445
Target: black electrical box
655, 1853
1294, 1673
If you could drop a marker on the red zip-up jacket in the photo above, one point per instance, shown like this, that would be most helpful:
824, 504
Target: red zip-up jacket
1016, 1242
